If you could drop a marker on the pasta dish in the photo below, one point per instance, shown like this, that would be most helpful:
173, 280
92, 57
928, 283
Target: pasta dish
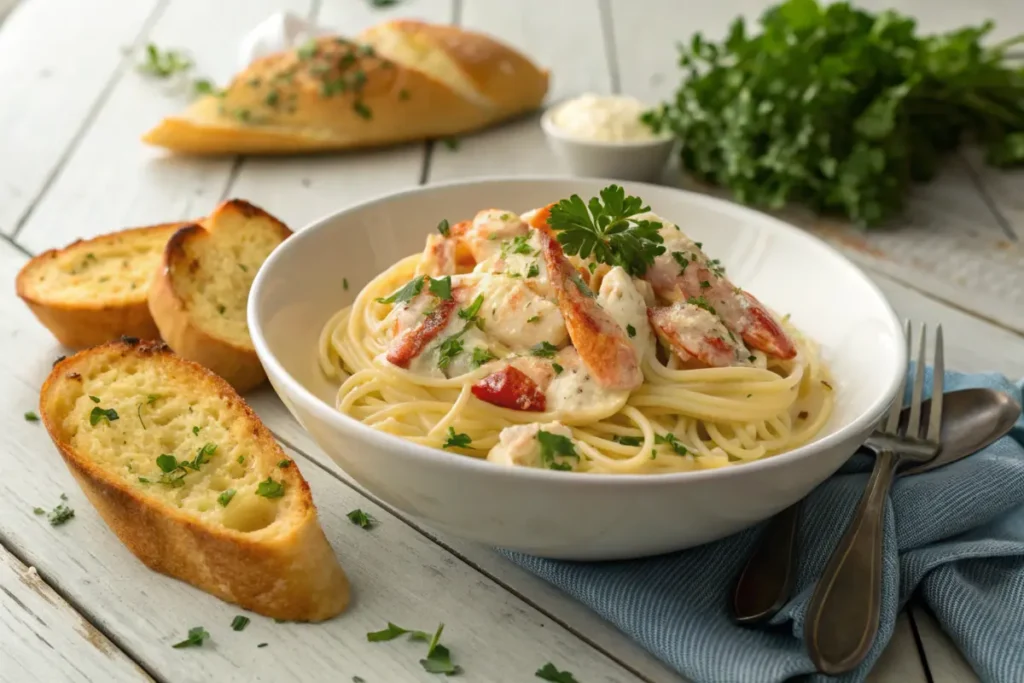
582, 336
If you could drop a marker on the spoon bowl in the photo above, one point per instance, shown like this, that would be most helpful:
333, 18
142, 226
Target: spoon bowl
971, 420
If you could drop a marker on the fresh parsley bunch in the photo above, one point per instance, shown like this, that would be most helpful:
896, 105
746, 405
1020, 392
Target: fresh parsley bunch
840, 109
607, 228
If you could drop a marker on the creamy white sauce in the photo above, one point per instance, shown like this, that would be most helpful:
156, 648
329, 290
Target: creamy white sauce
575, 389
518, 445
625, 304
510, 305
490, 229
613, 118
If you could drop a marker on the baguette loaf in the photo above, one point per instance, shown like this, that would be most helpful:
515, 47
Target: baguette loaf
190, 480
95, 291
199, 295
400, 81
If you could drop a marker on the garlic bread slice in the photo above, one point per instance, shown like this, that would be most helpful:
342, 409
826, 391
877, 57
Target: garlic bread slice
190, 480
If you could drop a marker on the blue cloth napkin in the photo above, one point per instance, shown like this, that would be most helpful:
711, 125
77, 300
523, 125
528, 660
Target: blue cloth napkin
955, 535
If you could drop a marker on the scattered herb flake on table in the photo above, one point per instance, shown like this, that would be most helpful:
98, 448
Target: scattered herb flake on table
164, 63
196, 636
239, 622
549, 672
439, 661
60, 514
361, 519
30, 416
389, 633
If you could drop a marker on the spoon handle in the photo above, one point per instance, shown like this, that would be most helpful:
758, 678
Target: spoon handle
764, 585
842, 617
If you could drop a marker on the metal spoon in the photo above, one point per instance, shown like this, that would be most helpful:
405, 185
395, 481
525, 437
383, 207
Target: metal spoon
971, 420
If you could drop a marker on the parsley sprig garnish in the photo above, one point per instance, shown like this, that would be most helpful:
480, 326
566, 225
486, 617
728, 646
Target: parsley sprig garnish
607, 228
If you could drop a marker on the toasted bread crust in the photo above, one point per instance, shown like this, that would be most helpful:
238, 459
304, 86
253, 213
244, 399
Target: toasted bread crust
80, 324
415, 81
292, 576
237, 363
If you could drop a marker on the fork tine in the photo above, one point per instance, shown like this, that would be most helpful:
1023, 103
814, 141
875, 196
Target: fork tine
938, 370
892, 424
914, 423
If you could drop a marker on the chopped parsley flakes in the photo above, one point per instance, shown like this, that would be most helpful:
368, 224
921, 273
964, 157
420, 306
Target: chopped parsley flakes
456, 440
239, 623
449, 350
701, 302
270, 488
31, 416
196, 636
442, 288
225, 497
98, 414
670, 440
544, 350
520, 244
60, 514
553, 446
469, 313
363, 521
549, 672
443, 227
481, 356
631, 331
406, 293
680, 258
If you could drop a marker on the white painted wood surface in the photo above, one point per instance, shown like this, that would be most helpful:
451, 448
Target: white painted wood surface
86, 173
42, 638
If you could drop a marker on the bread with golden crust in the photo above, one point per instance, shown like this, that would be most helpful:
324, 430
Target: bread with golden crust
94, 291
199, 295
234, 518
396, 82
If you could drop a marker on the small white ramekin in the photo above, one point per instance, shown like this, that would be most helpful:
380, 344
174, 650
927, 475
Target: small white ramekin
641, 160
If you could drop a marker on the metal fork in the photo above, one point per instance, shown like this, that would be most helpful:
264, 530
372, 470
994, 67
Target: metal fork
843, 615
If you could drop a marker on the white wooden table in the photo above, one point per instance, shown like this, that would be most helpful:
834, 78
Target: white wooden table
76, 606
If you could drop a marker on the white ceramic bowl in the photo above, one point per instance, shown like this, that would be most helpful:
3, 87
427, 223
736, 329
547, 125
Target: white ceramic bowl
632, 160
563, 514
